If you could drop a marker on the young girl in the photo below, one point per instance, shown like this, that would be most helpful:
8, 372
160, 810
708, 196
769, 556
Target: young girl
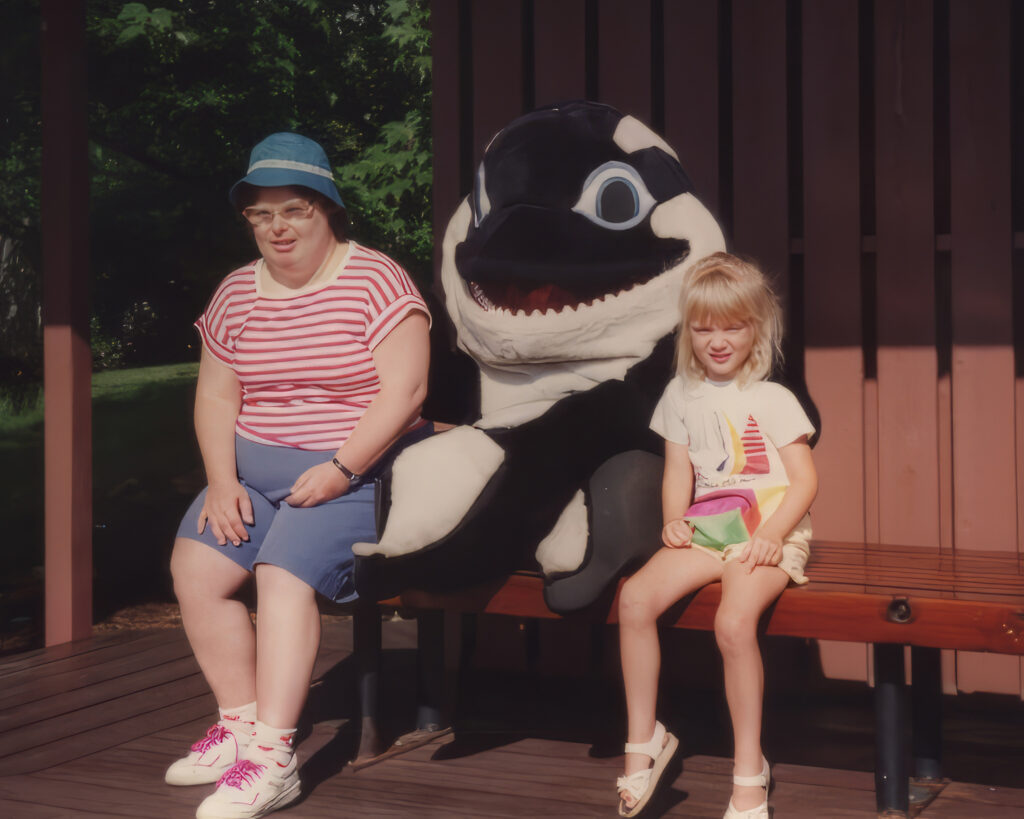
738, 482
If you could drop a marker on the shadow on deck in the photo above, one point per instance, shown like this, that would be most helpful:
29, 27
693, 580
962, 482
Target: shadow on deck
88, 729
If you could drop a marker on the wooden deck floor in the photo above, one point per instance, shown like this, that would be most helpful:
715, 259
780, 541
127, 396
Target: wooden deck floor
87, 730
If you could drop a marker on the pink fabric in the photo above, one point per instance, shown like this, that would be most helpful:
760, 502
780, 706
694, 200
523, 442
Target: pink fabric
715, 503
725, 500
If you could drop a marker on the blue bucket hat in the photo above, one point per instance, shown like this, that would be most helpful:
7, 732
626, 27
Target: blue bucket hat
289, 159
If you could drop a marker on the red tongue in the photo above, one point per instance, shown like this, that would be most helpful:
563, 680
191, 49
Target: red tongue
545, 297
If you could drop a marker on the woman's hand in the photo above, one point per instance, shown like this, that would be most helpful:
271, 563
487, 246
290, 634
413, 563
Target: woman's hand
227, 508
763, 549
317, 485
677, 534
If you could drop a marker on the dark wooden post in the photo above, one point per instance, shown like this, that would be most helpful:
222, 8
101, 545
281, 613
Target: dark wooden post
67, 360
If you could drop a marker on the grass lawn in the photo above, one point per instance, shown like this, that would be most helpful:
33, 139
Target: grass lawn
146, 468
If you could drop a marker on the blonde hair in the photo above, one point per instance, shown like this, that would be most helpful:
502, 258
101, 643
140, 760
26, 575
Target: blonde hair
724, 288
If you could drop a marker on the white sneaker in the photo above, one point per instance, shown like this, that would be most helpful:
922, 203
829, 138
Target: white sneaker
210, 757
253, 787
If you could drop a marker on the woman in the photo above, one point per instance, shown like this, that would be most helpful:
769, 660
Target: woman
314, 364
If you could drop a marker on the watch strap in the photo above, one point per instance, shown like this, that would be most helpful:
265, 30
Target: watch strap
348, 473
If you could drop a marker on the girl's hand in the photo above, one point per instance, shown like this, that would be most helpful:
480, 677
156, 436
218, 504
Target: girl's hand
227, 508
317, 485
763, 549
677, 534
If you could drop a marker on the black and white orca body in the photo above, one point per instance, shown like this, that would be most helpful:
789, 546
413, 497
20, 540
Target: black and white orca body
562, 273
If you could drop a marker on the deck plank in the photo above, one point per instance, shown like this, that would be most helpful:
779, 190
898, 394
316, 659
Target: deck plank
87, 694
26, 687
79, 653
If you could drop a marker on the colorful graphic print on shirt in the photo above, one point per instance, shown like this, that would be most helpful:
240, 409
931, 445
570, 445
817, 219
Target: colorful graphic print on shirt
732, 514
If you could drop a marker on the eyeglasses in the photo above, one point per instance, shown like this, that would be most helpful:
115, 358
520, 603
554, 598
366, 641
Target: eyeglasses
291, 212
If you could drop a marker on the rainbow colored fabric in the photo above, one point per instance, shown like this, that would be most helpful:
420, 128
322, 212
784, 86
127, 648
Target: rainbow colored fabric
730, 515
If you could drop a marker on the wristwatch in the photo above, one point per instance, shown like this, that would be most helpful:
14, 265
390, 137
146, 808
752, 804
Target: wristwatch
348, 473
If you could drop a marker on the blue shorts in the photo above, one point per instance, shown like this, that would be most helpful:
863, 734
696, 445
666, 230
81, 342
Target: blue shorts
312, 543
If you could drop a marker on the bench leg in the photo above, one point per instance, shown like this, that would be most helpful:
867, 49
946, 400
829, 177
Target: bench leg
366, 638
892, 784
926, 712
431, 687
430, 671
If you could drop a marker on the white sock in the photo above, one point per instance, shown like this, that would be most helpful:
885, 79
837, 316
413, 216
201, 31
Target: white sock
244, 716
277, 743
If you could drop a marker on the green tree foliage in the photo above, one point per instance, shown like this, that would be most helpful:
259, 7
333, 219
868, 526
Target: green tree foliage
389, 181
179, 91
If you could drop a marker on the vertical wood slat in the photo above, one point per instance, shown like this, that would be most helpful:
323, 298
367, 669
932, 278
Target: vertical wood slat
914, 465
67, 359
497, 69
445, 125
832, 270
560, 58
908, 425
832, 261
1019, 394
624, 56
690, 33
870, 412
760, 217
982, 374
982, 276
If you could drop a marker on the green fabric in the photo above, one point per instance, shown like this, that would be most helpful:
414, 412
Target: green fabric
719, 531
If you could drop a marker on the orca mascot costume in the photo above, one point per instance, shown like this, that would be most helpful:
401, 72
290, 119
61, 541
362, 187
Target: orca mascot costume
561, 273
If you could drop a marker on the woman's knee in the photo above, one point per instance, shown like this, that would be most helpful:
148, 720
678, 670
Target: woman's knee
274, 581
198, 572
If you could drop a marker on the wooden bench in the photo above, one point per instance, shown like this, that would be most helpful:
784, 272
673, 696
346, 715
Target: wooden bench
890, 596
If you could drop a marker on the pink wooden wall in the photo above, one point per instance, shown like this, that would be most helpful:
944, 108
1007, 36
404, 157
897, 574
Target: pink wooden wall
867, 153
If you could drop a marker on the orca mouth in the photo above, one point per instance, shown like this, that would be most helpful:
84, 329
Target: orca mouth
530, 297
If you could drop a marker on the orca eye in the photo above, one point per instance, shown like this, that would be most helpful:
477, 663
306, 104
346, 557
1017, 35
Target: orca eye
615, 197
481, 203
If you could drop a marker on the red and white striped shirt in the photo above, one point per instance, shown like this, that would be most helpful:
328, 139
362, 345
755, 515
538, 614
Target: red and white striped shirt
305, 361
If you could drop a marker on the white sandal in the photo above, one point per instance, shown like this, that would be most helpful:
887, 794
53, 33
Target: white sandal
761, 780
641, 785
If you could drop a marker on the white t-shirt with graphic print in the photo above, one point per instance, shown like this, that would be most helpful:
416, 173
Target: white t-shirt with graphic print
733, 433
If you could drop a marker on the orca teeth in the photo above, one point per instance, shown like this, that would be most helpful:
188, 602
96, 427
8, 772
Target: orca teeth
480, 297
486, 303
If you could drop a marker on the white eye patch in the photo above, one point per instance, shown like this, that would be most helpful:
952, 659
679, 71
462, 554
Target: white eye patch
615, 197
632, 135
481, 201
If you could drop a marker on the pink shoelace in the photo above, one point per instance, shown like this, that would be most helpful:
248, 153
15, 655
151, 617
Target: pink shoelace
240, 774
214, 736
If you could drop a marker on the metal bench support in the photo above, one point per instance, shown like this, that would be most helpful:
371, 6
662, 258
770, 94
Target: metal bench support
430, 671
892, 784
926, 712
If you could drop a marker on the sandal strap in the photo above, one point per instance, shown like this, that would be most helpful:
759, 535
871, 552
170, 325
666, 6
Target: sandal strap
757, 780
652, 747
635, 784
759, 812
